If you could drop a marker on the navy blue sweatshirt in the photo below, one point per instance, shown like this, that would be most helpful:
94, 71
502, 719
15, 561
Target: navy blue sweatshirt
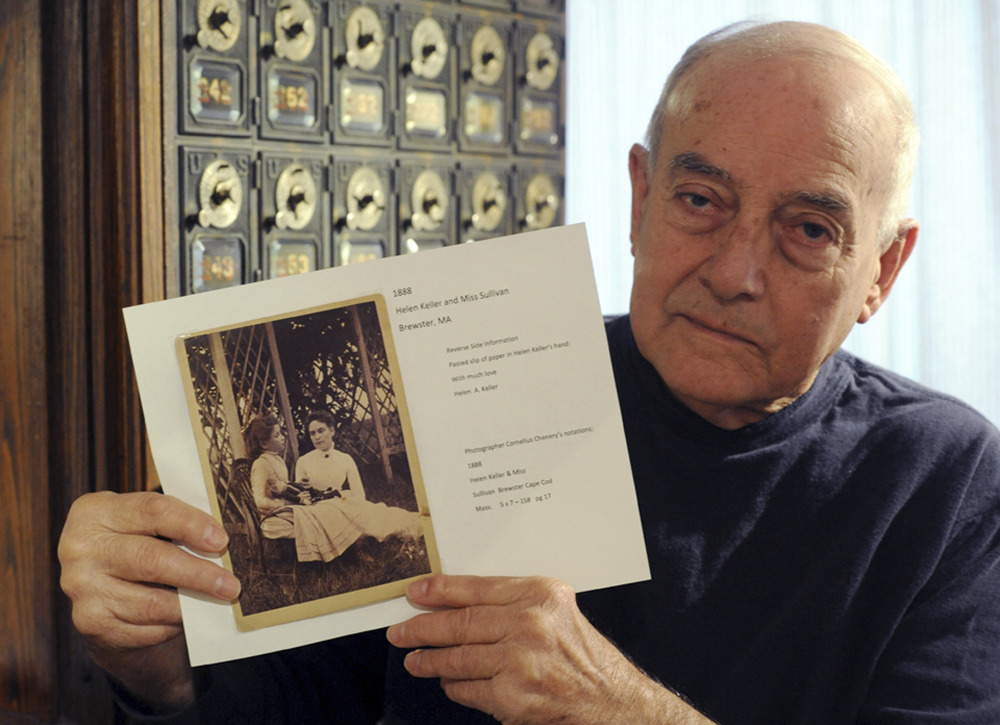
836, 562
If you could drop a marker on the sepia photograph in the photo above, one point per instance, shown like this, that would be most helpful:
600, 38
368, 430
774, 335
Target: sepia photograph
308, 457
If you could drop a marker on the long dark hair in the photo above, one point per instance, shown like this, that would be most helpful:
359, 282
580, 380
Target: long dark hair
258, 433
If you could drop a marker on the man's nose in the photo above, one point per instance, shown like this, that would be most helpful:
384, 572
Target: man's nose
735, 269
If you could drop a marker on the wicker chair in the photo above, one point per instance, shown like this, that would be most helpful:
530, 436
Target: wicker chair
241, 518
239, 512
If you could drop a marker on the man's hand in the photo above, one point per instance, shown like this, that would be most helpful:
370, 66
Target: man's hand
117, 569
520, 650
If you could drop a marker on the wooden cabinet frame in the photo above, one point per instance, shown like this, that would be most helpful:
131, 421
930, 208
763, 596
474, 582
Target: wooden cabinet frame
80, 237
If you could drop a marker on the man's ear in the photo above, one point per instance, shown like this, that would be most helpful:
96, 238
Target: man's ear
889, 263
638, 170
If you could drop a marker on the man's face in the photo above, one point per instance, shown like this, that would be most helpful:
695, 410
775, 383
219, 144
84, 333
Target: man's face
755, 240
321, 435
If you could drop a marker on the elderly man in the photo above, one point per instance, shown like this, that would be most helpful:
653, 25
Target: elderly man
824, 536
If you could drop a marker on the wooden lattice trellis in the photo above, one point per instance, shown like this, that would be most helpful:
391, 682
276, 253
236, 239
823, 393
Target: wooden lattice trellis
238, 375
212, 399
386, 437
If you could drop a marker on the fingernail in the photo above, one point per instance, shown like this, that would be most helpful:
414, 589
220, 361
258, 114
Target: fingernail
395, 633
417, 589
412, 660
227, 587
215, 537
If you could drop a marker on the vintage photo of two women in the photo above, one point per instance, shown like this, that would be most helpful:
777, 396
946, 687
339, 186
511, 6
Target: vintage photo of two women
308, 455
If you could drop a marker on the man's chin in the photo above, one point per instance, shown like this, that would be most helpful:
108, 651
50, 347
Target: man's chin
719, 377
725, 397
710, 388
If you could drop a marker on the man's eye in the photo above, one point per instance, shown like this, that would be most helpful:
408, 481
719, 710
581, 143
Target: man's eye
696, 200
815, 232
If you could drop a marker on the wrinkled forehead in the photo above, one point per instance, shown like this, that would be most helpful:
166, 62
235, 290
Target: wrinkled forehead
836, 87
828, 100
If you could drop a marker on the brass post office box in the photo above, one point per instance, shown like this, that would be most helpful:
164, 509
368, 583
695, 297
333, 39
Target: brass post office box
305, 134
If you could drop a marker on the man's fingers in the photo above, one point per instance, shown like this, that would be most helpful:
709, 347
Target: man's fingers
135, 637
478, 694
518, 649
112, 535
122, 636
443, 590
145, 559
470, 662
155, 514
143, 604
117, 564
485, 610
129, 615
469, 625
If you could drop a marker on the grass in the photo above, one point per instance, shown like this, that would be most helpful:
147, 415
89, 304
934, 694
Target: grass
279, 579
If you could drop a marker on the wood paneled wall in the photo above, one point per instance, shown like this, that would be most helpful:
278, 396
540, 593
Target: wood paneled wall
71, 221
27, 672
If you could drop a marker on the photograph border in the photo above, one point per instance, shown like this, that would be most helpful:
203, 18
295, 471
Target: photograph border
346, 600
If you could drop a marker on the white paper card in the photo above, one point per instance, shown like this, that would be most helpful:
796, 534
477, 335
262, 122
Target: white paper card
504, 361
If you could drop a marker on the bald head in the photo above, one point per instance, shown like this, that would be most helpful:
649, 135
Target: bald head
826, 50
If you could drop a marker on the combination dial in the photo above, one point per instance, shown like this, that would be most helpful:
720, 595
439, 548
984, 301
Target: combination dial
365, 199
542, 202
294, 30
489, 202
429, 49
488, 55
365, 38
295, 197
429, 201
219, 23
220, 194
543, 62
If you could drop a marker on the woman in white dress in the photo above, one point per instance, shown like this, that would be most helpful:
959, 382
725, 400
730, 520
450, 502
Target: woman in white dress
269, 477
325, 529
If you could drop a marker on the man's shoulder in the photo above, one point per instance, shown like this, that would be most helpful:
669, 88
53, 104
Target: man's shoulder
925, 431
893, 397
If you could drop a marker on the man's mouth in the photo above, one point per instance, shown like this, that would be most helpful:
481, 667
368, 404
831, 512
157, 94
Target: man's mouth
717, 331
